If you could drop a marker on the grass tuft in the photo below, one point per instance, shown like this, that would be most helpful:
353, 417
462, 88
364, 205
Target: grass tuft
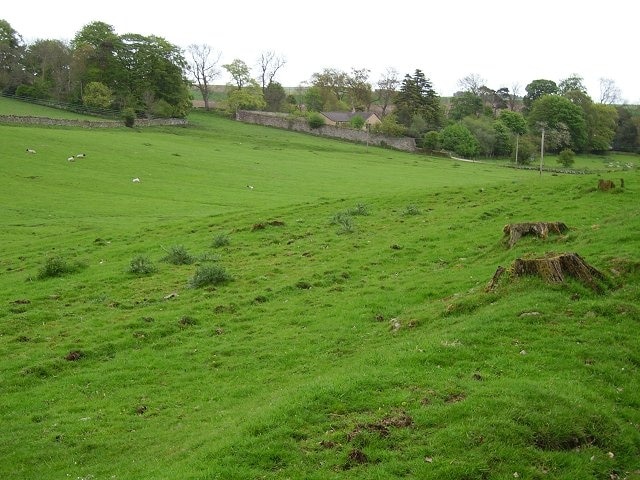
141, 265
56, 266
178, 255
210, 275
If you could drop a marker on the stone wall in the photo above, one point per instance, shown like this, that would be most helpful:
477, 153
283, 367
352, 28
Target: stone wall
301, 125
140, 122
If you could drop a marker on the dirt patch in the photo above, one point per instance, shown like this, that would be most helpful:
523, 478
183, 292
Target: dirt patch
74, 355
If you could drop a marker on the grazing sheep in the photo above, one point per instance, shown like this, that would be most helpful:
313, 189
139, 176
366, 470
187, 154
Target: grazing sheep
81, 155
30, 150
71, 159
136, 180
250, 187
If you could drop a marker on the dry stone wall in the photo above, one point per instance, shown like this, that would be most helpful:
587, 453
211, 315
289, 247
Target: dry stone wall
301, 125
141, 122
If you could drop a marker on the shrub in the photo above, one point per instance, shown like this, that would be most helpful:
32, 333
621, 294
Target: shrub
178, 255
356, 122
566, 157
56, 266
220, 240
210, 275
315, 120
141, 265
431, 140
129, 117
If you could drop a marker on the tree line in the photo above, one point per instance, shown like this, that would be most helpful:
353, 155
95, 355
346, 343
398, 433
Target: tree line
148, 76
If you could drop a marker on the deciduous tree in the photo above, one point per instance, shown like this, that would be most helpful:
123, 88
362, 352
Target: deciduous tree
269, 64
239, 72
387, 88
560, 113
203, 68
609, 92
537, 89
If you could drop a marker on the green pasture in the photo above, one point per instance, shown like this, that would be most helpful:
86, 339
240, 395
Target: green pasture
9, 106
355, 338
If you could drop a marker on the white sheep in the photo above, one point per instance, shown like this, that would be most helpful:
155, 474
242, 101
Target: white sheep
71, 159
250, 187
30, 150
81, 155
136, 180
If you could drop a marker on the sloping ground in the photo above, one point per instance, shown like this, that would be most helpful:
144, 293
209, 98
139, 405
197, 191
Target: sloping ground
355, 340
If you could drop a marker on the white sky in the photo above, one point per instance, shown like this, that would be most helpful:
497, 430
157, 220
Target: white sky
506, 42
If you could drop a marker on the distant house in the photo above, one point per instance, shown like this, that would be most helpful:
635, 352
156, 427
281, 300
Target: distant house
342, 119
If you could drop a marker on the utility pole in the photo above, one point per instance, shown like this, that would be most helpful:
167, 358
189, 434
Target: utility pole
541, 151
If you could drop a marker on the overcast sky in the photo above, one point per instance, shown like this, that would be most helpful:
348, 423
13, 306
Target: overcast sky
505, 42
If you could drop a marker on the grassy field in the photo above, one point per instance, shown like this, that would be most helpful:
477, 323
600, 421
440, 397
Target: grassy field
346, 331
9, 106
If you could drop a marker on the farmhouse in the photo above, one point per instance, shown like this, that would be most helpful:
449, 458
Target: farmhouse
342, 119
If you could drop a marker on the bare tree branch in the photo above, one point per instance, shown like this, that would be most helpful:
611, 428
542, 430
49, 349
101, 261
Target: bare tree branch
269, 64
203, 68
609, 92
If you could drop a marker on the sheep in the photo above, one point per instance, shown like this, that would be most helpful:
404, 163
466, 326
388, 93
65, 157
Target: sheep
136, 180
250, 187
71, 159
30, 150
81, 155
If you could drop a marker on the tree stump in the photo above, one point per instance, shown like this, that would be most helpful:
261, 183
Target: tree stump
554, 268
605, 185
540, 229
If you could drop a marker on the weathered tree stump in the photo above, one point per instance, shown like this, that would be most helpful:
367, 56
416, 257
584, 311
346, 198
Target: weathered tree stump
491, 286
540, 229
605, 185
554, 268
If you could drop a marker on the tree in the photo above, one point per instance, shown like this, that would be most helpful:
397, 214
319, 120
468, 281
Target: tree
11, 51
101, 62
97, 95
359, 89
609, 92
516, 124
482, 130
275, 96
154, 77
458, 139
48, 63
389, 126
387, 87
417, 97
471, 83
332, 86
513, 97
573, 83
627, 137
269, 64
601, 126
537, 89
248, 98
464, 104
239, 72
313, 99
566, 157
561, 114
203, 68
